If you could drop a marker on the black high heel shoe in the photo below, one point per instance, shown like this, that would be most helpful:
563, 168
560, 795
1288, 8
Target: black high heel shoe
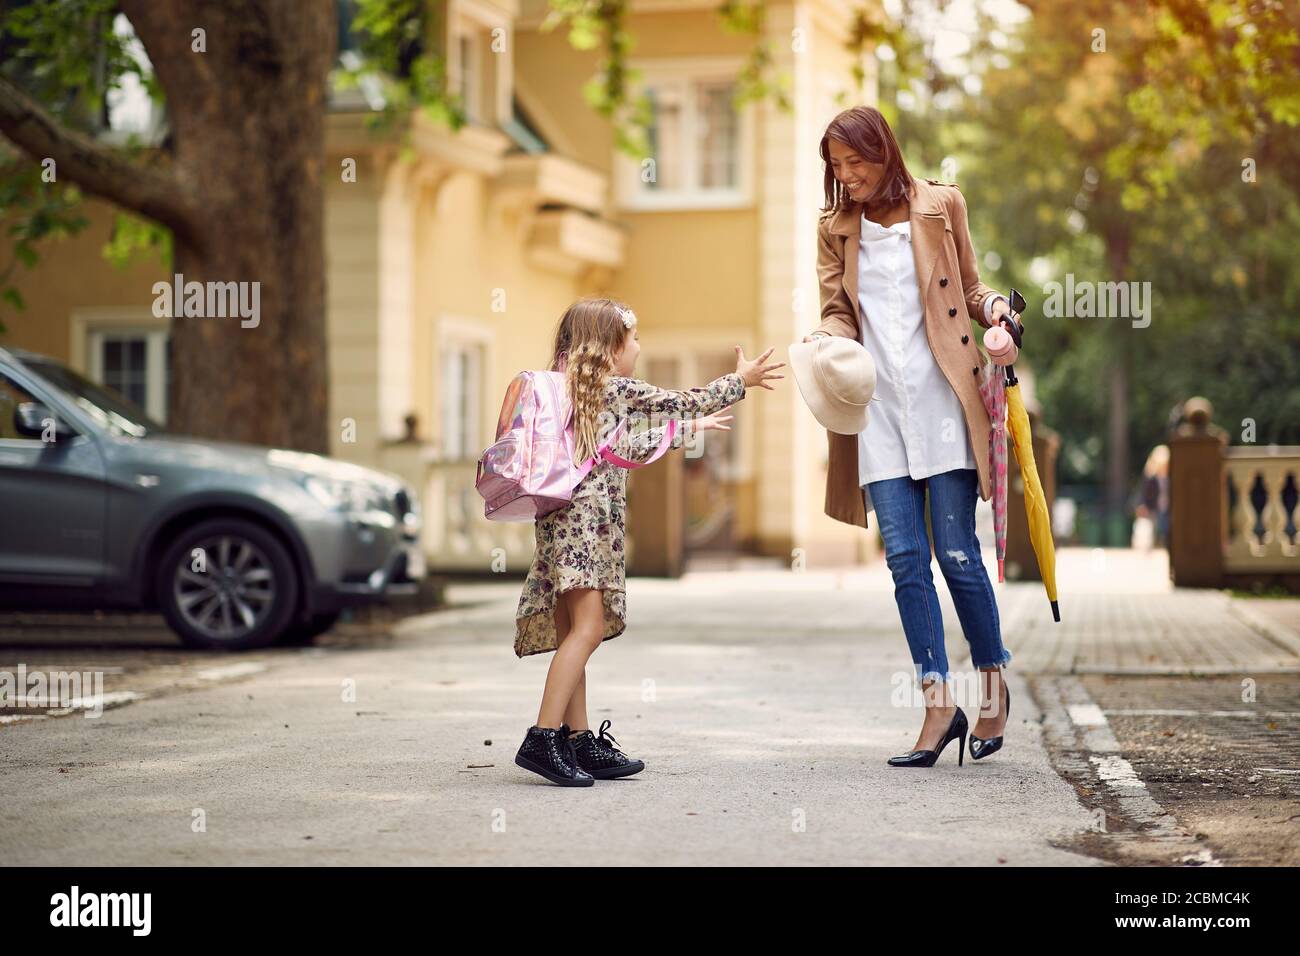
983, 748
926, 758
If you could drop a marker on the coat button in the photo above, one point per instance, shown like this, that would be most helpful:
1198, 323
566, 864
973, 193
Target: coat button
952, 311
943, 281
965, 339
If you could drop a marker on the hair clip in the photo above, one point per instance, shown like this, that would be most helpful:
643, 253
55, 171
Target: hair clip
628, 316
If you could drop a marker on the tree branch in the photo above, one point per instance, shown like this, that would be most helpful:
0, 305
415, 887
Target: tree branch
98, 169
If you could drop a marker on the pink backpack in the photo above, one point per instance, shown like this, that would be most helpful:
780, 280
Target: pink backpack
529, 470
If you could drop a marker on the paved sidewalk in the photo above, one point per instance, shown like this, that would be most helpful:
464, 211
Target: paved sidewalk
1120, 615
1175, 713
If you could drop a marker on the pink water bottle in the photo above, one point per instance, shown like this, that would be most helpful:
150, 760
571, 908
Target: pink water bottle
1000, 346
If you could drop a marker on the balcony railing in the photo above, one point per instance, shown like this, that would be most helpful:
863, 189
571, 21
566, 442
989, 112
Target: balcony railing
1261, 488
1232, 520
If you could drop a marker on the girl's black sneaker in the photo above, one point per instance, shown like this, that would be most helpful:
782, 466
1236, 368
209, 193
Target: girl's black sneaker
599, 756
548, 752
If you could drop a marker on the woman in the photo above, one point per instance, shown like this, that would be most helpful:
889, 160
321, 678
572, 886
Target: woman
898, 273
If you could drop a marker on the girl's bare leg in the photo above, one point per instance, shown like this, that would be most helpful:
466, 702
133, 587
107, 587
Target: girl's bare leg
575, 715
586, 627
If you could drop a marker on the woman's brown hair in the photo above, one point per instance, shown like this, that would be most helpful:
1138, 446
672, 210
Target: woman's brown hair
587, 342
865, 130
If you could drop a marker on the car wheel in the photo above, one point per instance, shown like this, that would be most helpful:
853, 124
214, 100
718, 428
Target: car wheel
305, 632
227, 583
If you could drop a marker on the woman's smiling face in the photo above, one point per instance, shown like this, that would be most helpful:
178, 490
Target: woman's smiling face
856, 175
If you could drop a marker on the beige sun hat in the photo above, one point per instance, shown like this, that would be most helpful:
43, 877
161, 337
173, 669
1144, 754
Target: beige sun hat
837, 378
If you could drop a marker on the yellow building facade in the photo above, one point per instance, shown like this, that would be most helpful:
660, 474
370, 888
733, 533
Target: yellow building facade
451, 255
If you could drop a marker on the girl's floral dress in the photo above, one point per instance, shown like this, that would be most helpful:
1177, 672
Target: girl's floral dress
581, 544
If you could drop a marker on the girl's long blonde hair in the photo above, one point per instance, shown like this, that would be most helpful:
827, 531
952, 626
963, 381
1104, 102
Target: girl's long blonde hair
587, 343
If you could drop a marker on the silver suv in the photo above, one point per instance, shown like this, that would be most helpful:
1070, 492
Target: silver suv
238, 546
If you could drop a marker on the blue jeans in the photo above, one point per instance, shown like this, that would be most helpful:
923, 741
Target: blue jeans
900, 512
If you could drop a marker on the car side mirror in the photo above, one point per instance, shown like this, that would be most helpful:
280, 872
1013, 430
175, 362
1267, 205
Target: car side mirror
30, 419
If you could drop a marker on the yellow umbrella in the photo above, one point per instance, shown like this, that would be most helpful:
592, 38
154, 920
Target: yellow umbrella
1040, 523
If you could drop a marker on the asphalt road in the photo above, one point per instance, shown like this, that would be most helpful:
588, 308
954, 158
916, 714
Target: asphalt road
764, 705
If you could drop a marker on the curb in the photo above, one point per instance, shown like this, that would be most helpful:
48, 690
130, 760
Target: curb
1275, 631
1085, 752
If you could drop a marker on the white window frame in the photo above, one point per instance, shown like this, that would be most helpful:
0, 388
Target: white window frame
469, 63
463, 333
686, 352
687, 73
91, 326
489, 101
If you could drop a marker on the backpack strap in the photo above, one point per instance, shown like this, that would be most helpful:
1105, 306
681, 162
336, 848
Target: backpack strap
670, 431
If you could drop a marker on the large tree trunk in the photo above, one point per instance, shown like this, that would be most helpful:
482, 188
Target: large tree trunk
248, 121
242, 192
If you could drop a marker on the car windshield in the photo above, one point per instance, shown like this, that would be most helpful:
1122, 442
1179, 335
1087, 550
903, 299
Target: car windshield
105, 406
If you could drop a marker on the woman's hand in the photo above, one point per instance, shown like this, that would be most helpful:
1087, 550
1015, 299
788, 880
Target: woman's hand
1000, 309
755, 372
710, 423
813, 336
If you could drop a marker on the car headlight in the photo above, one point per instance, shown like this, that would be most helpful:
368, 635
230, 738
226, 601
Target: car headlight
341, 495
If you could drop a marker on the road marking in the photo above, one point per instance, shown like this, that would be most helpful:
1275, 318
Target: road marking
227, 671
1117, 772
1074, 724
1086, 715
116, 698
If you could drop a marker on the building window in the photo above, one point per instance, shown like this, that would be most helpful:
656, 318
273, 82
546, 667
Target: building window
130, 114
697, 141
461, 401
135, 364
346, 13
479, 59
665, 136
717, 134
469, 81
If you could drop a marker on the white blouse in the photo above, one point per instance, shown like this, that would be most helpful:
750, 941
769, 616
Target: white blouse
915, 424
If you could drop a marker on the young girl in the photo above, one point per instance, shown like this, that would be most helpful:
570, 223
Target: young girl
573, 597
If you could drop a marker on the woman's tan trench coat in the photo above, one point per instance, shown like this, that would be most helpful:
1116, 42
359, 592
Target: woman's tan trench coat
951, 294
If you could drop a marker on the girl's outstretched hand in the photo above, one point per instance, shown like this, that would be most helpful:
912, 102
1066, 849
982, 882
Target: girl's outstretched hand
755, 372
712, 423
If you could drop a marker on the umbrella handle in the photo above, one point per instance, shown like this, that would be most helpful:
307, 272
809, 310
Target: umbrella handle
1017, 330
1017, 304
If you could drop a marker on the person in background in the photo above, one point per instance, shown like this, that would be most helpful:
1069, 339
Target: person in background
1153, 501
